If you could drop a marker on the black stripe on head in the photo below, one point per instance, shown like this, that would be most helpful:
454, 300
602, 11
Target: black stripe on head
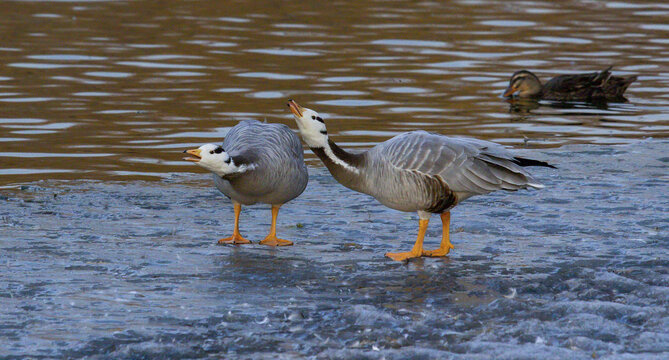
521, 72
518, 77
219, 150
324, 132
318, 118
227, 161
522, 75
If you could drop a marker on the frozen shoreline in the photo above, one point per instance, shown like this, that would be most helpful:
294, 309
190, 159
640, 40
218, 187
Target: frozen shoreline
132, 269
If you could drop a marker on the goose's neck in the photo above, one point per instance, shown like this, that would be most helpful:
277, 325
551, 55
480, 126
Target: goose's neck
234, 167
345, 167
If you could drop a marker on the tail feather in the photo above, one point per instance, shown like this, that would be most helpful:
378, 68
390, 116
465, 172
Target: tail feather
530, 162
617, 86
536, 186
603, 77
626, 82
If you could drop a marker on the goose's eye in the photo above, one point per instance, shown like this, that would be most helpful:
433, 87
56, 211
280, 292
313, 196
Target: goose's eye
211, 152
313, 117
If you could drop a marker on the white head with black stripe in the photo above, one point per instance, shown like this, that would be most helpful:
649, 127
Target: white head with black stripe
213, 158
311, 125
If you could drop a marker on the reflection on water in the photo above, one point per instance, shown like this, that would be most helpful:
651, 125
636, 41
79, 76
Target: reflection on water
115, 90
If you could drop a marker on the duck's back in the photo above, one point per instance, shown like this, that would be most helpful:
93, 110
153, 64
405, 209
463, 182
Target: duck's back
579, 87
587, 87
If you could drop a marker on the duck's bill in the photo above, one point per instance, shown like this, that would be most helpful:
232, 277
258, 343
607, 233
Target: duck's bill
295, 108
195, 155
509, 91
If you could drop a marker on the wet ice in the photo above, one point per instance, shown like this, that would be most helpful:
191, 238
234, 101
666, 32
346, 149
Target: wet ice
132, 269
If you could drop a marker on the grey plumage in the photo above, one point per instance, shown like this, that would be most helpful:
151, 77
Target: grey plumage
418, 171
421, 171
273, 156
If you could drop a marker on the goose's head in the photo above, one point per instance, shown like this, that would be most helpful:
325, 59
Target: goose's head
524, 83
211, 157
311, 125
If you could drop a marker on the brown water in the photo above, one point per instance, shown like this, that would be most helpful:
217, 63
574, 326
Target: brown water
116, 90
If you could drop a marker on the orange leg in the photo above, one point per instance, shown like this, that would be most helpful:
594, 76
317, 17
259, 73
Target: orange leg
417, 249
271, 239
236, 237
446, 245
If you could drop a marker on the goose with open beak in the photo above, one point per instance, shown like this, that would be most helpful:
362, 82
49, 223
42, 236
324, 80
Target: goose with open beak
418, 171
257, 163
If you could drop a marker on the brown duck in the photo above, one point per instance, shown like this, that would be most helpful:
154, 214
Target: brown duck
596, 86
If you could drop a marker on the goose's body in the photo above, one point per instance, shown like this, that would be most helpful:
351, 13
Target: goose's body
257, 163
595, 86
425, 171
419, 171
273, 156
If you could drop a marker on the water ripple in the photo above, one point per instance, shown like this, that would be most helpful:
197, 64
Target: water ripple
67, 57
352, 102
411, 43
177, 76
270, 76
109, 74
283, 52
155, 65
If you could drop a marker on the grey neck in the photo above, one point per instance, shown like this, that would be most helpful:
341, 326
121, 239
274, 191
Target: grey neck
347, 168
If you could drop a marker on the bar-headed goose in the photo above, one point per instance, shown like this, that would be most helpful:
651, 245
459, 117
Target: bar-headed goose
257, 162
418, 171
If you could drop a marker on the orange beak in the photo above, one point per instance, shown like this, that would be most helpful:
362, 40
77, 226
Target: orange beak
195, 153
295, 108
509, 91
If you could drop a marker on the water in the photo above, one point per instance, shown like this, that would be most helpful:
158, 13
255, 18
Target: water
108, 240
126, 86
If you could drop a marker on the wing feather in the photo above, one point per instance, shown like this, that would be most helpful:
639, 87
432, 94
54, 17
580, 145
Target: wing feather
467, 166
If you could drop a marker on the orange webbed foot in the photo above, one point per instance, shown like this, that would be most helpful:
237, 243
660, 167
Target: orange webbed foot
235, 240
401, 256
442, 251
275, 241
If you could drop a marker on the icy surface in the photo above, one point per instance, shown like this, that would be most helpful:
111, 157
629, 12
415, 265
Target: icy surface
578, 270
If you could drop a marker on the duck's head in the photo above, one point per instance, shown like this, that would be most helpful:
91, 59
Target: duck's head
211, 157
311, 125
523, 83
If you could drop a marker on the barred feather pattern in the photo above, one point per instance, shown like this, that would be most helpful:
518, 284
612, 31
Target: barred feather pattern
274, 156
431, 172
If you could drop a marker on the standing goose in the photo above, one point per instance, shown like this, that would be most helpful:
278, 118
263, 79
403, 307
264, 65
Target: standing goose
418, 171
257, 162
596, 86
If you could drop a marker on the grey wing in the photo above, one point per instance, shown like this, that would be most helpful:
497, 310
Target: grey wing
285, 156
274, 151
242, 137
272, 143
468, 166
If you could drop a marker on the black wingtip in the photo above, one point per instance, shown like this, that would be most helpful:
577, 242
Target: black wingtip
530, 162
